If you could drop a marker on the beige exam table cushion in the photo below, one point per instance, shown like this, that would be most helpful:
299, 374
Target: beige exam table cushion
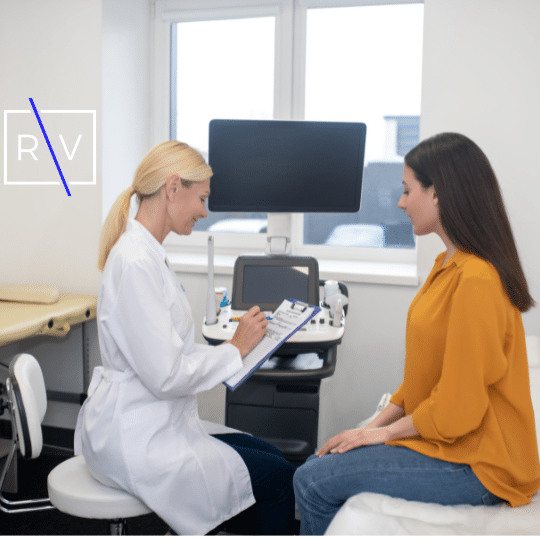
36, 294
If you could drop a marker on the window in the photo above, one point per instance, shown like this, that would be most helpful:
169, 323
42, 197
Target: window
215, 75
294, 59
363, 63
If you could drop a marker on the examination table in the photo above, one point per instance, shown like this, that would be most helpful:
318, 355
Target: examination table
371, 513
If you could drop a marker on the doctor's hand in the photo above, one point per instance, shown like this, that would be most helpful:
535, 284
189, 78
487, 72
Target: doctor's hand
251, 329
354, 438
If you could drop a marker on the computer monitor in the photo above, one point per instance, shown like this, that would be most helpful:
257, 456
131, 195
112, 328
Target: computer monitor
286, 166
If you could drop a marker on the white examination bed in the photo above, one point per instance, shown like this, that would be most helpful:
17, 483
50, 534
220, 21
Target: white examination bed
371, 513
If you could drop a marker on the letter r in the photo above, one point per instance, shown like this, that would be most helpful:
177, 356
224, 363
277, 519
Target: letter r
31, 150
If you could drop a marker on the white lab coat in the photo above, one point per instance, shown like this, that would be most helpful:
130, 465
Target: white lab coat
139, 429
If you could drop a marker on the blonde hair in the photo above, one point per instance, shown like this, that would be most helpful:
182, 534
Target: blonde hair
164, 160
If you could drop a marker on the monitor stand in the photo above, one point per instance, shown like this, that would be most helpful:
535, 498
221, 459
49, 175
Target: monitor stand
278, 235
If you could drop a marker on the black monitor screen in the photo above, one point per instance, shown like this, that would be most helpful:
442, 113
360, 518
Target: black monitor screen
279, 282
266, 281
286, 166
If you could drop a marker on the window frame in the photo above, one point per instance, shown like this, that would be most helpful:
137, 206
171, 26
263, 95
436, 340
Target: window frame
289, 98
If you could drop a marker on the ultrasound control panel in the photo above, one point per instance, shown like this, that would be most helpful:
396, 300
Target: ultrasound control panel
320, 329
266, 281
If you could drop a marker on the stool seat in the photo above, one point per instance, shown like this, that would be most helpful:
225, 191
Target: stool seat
73, 490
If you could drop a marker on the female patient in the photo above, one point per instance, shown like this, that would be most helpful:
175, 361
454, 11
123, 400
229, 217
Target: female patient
460, 429
139, 429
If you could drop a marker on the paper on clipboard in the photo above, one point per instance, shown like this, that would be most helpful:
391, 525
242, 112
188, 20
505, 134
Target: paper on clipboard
288, 318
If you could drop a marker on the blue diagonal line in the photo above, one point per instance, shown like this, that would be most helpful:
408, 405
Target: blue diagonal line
50, 147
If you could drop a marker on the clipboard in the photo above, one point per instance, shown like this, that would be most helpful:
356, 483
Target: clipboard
286, 320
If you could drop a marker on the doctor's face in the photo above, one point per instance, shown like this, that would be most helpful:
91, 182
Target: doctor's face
188, 205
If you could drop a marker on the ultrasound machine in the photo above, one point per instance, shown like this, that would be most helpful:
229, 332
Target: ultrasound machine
283, 167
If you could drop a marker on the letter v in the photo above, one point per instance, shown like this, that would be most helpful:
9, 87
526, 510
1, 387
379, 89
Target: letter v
70, 157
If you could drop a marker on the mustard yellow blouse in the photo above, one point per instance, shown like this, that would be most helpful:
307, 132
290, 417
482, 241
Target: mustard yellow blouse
466, 379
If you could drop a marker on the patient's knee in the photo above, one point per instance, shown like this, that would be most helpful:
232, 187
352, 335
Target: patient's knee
304, 475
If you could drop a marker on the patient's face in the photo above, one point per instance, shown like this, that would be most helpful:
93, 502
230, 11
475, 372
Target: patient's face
420, 204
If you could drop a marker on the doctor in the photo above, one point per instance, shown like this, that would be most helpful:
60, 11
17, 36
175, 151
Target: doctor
139, 429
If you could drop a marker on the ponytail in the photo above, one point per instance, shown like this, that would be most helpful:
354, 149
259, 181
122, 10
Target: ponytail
114, 225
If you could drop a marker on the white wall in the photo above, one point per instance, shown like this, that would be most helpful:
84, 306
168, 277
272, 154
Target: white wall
70, 55
126, 93
51, 52
481, 77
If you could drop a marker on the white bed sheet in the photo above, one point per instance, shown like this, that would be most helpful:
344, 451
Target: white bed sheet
371, 513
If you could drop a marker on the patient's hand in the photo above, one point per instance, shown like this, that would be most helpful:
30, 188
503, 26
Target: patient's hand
354, 438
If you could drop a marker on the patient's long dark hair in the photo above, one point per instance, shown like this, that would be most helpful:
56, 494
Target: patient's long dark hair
471, 206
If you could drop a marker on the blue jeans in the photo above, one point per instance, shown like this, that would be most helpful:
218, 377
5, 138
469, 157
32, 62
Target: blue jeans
323, 484
271, 480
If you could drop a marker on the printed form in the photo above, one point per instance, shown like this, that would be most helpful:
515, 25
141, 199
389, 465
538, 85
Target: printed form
288, 318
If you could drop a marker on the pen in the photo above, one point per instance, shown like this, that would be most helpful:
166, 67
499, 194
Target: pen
235, 319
